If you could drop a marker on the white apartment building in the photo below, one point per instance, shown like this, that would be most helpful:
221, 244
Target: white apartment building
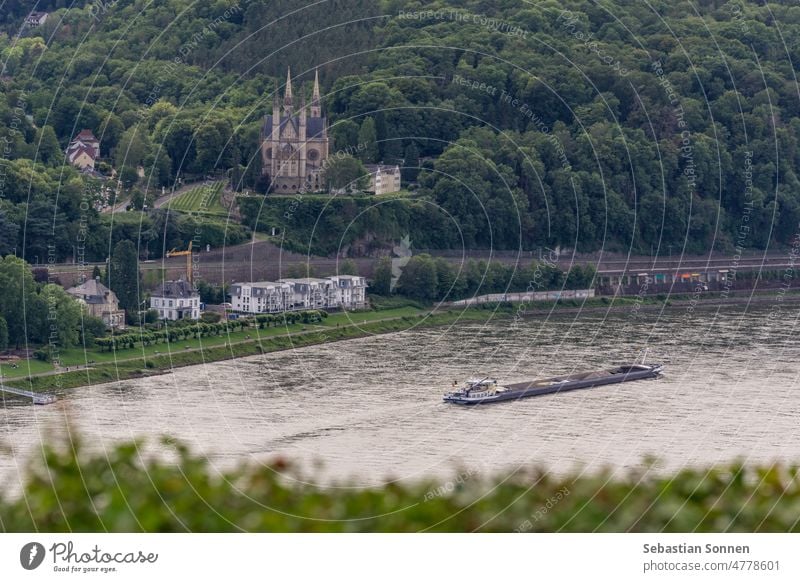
260, 297
310, 293
351, 291
176, 300
338, 292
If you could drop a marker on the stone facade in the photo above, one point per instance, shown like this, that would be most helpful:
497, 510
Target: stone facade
295, 143
100, 301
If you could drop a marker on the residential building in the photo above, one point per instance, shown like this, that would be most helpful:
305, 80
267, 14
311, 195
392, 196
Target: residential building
309, 293
176, 300
383, 179
84, 150
338, 292
350, 290
260, 297
100, 301
295, 143
35, 19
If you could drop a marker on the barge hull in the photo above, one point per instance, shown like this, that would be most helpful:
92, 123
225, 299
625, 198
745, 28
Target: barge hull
527, 389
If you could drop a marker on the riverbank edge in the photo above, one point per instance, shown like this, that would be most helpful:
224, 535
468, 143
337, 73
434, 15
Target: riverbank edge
134, 368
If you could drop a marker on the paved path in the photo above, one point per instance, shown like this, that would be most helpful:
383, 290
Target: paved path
118, 207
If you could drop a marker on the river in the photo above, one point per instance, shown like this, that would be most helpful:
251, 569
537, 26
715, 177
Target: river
368, 410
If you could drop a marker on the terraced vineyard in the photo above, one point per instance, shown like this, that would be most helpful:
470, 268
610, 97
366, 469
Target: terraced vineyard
204, 199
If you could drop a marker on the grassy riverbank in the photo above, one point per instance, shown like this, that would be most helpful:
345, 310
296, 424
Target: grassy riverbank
161, 358
94, 366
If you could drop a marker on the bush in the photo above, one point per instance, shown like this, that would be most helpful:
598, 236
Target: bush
210, 317
262, 499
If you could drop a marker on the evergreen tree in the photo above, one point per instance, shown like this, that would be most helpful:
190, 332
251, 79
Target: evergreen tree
63, 317
19, 294
368, 142
48, 149
418, 279
382, 277
344, 135
123, 276
346, 172
410, 169
392, 149
3, 333
8, 234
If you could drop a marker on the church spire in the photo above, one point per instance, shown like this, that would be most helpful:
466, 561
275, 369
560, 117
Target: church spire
316, 108
287, 98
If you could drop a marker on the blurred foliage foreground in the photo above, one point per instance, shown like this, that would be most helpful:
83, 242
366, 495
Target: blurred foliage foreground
127, 491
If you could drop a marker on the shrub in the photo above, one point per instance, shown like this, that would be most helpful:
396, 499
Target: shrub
187, 494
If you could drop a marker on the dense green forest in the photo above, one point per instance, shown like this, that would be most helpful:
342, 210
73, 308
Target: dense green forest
583, 124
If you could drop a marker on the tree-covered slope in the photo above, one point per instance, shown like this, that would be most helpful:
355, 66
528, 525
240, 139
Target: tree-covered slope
580, 123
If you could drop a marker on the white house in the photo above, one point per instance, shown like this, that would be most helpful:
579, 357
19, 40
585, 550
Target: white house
351, 291
35, 19
383, 179
84, 150
176, 300
260, 297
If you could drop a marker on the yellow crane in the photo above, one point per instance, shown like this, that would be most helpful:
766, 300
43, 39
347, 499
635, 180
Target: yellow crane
188, 254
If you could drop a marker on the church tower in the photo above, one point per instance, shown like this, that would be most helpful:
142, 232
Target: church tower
295, 143
316, 109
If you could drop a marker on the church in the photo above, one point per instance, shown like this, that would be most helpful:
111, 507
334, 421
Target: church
294, 143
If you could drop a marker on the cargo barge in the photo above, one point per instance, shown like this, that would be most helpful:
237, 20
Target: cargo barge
486, 390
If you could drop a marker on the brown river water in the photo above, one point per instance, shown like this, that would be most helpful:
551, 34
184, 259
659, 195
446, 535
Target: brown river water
368, 410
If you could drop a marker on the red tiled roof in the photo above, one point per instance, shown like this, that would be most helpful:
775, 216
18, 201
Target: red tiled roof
74, 152
86, 134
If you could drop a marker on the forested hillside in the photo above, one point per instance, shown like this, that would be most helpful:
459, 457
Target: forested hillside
583, 124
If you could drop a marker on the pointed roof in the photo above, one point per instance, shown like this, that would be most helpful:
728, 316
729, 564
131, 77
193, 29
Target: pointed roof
75, 151
316, 98
86, 134
178, 289
287, 99
93, 291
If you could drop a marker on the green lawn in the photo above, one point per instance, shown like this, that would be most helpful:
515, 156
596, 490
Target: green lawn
355, 317
204, 199
79, 356
24, 367
398, 194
